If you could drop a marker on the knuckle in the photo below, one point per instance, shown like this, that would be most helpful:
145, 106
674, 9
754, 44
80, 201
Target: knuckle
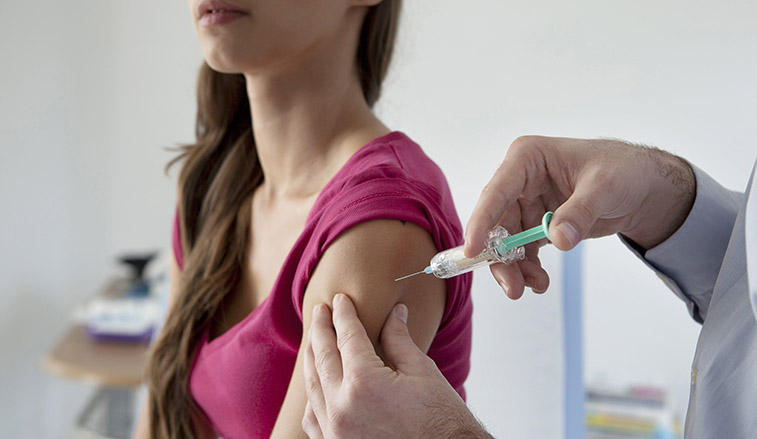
490, 189
359, 388
605, 174
355, 387
310, 424
338, 420
345, 338
493, 193
320, 360
428, 365
527, 146
585, 210
311, 385
522, 143
306, 424
398, 332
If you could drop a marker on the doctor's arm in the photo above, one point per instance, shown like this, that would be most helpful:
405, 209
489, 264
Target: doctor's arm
675, 217
689, 260
595, 188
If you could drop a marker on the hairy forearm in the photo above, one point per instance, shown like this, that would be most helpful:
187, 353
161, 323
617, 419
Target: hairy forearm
450, 418
471, 433
669, 202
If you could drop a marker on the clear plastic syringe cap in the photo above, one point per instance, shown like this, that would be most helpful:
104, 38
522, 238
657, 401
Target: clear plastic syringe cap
493, 241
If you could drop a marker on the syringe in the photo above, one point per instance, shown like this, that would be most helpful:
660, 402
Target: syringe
500, 247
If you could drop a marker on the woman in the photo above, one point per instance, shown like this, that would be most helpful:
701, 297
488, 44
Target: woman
293, 192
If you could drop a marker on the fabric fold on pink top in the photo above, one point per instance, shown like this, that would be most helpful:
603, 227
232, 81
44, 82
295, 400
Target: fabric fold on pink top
240, 378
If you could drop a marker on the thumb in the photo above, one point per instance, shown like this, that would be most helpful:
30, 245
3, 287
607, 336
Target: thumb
399, 348
574, 219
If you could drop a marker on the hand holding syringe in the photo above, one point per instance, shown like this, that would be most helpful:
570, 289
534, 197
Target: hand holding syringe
500, 248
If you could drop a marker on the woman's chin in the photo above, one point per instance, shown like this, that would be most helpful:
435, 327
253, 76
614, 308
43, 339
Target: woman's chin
226, 61
225, 66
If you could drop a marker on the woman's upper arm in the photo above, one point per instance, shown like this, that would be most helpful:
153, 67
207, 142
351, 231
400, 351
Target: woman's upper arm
363, 263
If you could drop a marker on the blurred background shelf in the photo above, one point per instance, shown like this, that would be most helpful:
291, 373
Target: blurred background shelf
116, 368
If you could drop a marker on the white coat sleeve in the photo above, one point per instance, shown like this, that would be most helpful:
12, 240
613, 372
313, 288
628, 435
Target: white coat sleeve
689, 260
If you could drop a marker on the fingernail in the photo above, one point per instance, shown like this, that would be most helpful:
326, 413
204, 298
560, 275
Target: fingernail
401, 311
540, 289
337, 298
318, 309
570, 232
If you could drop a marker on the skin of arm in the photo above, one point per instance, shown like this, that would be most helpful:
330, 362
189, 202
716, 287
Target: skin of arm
364, 261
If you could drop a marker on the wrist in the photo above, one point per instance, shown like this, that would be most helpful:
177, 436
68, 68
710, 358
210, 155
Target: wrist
464, 425
448, 417
469, 432
667, 205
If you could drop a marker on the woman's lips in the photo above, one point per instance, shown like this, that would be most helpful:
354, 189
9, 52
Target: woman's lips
218, 12
219, 17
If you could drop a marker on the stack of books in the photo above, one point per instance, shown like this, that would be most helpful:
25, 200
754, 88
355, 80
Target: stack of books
634, 413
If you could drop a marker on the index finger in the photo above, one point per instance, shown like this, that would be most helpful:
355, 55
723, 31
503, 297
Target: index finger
503, 189
353, 342
323, 365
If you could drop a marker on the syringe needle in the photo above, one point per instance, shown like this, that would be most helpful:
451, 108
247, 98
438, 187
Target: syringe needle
409, 275
500, 247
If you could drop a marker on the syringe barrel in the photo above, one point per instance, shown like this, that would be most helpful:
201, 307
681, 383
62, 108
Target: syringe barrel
453, 262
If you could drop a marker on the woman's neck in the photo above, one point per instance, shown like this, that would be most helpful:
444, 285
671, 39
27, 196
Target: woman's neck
307, 124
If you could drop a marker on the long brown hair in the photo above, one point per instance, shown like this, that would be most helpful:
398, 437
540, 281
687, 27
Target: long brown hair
218, 175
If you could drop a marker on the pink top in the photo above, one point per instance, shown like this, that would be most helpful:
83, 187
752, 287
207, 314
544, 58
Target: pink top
240, 378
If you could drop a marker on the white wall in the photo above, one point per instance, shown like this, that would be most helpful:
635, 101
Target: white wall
53, 134
92, 92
